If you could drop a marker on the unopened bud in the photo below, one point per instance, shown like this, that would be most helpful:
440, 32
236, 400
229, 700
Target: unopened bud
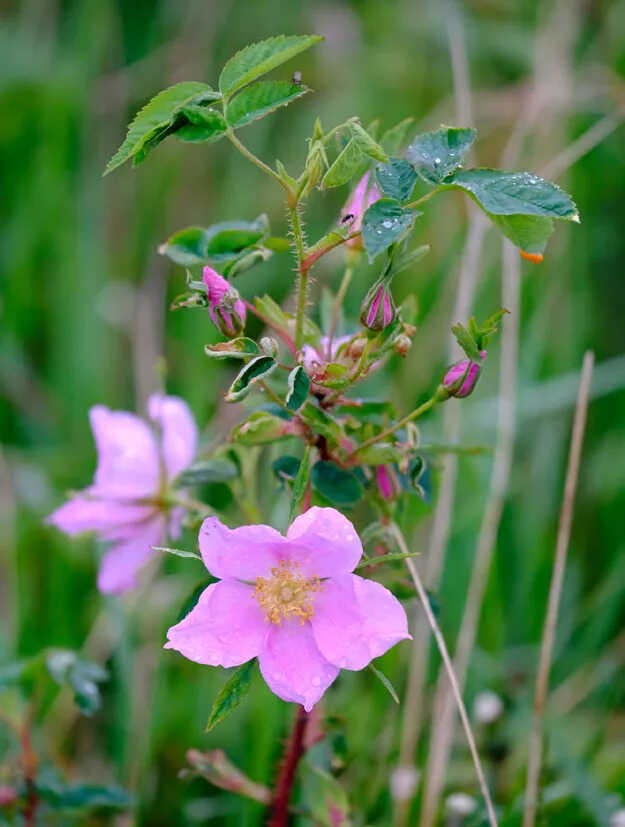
8, 795
461, 378
225, 306
378, 309
268, 345
402, 344
356, 348
388, 486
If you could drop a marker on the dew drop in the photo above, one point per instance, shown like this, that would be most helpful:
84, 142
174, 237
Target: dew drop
437, 161
388, 224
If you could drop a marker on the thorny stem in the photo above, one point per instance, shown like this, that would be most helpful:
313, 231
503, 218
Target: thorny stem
438, 397
257, 161
555, 590
302, 290
295, 748
444, 653
336, 309
29, 761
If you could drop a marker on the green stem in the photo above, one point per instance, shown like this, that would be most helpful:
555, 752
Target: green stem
257, 161
302, 288
438, 397
423, 199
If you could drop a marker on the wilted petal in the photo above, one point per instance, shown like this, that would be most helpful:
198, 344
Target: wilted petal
292, 665
225, 628
244, 553
356, 620
120, 565
128, 460
324, 543
178, 429
85, 513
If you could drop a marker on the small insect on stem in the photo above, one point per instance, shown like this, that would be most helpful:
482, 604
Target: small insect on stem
297, 77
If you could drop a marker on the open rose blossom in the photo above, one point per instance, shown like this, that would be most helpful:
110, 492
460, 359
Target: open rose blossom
291, 601
126, 505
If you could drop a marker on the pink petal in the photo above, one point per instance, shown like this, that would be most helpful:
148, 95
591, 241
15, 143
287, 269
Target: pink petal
128, 460
292, 665
120, 565
225, 628
84, 513
356, 620
178, 429
324, 543
244, 553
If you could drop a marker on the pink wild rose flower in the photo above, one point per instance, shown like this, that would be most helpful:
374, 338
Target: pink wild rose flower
226, 308
363, 196
125, 503
291, 601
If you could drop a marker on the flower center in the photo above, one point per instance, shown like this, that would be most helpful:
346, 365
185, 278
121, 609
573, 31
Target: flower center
287, 593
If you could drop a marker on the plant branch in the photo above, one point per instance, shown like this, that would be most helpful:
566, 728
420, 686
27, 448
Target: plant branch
284, 785
442, 647
555, 590
257, 161
400, 423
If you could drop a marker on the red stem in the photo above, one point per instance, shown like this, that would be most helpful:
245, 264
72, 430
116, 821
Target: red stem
279, 816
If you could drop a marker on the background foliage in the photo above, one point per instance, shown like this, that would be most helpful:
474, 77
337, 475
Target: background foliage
84, 320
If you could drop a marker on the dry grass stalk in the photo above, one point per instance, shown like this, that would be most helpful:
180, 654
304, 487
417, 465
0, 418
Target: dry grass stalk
555, 590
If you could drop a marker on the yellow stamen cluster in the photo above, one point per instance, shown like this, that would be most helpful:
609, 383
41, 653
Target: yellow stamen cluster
286, 593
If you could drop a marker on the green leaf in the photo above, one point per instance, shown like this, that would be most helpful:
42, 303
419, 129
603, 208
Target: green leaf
260, 99
300, 483
219, 243
321, 422
326, 799
529, 232
190, 298
337, 485
396, 179
157, 116
385, 558
467, 342
345, 166
385, 682
257, 59
231, 695
394, 139
259, 429
435, 155
82, 676
286, 467
256, 370
202, 124
380, 453
272, 312
298, 387
178, 552
217, 469
383, 223
366, 143
241, 348
61, 796
514, 193
246, 261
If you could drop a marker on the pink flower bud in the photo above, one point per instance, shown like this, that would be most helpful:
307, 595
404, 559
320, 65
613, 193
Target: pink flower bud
378, 309
388, 485
357, 204
8, 795
225, 306
470, 370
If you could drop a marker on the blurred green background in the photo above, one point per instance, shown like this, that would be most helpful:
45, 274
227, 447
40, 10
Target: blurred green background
84, 320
